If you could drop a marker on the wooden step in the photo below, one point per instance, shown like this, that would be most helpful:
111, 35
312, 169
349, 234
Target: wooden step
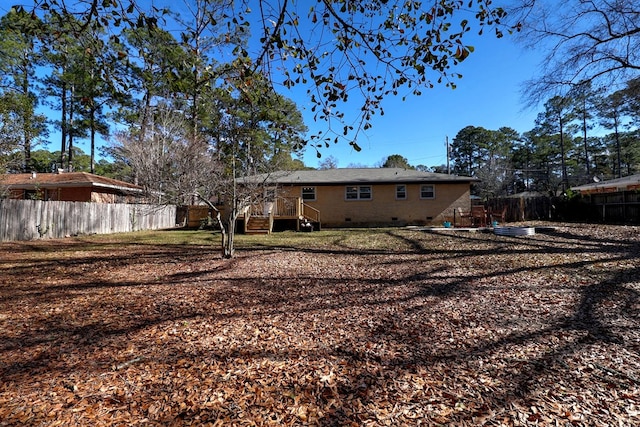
258, 225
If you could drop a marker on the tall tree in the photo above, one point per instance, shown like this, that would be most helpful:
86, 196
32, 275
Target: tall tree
98, 87
495, 170
204, 36
46, 161
66, 56
255, 128
396, 161
155, 62
468, 148
611, 112
539, 161
632, 101
630, 152
10, 136
522, 163
584, 99
19, 57
476, 151
340, 50
284, 132
602, 158
250, 112
554, 121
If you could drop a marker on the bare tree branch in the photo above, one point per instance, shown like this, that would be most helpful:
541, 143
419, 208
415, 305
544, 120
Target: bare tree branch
594, 41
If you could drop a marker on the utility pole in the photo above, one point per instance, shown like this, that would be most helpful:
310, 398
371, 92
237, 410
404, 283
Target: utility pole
446, 138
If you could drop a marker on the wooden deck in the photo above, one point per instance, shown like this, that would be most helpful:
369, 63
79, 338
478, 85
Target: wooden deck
290, 212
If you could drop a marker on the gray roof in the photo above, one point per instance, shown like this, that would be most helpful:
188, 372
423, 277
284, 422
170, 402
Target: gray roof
359, 176
618, 183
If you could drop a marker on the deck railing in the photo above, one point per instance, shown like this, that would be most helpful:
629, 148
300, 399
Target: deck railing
287, 207
284, 207
310, 212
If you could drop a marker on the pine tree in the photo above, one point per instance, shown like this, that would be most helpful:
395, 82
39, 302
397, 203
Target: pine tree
19, 56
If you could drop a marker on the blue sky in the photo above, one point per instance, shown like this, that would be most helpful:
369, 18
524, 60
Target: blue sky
488, 95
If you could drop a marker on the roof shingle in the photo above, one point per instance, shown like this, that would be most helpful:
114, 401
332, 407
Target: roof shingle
357, 176
65, 179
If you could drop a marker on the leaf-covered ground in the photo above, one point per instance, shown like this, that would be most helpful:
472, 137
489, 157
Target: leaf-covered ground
386, 328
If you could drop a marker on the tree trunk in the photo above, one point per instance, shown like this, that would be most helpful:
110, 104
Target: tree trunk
562, 156
229, 249
223, 231
586, 146
618, 154
92, 123
63, 123
71, 130
26, 112
226, 232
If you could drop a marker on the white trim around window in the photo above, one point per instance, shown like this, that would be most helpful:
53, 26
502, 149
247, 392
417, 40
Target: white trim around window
427, 191
358, 192
401, 192
308, 194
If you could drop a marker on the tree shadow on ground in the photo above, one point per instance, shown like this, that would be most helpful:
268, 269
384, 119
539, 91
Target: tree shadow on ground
396, 337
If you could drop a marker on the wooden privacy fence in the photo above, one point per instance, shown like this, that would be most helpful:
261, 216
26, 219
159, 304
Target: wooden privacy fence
615, 208
37, 219
523, 208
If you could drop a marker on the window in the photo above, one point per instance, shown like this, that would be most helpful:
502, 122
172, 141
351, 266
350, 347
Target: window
401, 192
362, 192
427, 192
352, 193
308, 193
365, 192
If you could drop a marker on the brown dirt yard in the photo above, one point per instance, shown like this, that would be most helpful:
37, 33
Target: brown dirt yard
386, 327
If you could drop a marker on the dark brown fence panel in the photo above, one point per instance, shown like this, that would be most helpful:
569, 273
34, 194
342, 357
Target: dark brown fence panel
523, 208
617, 208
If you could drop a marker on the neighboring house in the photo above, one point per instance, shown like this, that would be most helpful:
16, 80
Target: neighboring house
69, 186
366, 197
614, 200
627, 183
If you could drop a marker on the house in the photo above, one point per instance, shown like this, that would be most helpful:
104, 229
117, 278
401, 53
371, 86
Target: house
364, 197
627, 183
615, 200
69, 186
